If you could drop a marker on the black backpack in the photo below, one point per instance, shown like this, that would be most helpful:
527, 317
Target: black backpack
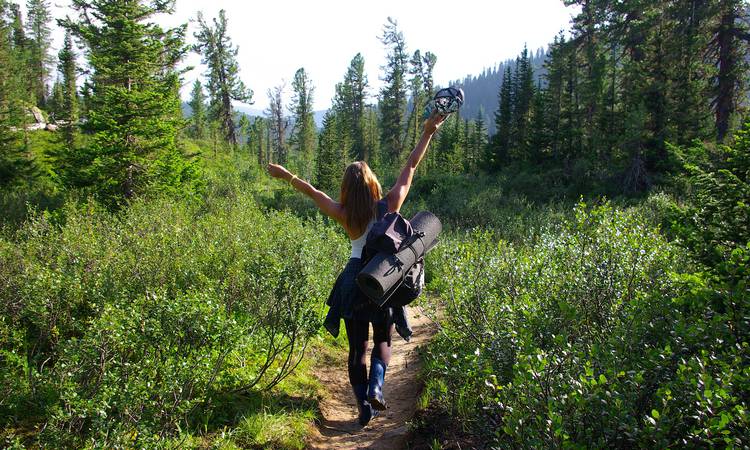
389, 234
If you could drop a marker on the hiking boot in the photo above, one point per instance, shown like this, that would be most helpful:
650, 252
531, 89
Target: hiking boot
377, 377
363, 406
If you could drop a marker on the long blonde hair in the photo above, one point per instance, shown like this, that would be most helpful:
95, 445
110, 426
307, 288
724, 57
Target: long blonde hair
360, 192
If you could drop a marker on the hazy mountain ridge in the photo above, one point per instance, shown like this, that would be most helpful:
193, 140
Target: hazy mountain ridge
257, 112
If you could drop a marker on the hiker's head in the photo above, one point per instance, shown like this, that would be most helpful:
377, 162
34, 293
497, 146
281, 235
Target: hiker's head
360, 191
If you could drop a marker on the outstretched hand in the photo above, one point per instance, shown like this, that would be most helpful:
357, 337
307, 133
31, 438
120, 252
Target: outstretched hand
433, 122
278, 171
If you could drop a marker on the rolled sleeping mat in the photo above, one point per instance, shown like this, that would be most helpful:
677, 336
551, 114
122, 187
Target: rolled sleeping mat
384, 270
430, 225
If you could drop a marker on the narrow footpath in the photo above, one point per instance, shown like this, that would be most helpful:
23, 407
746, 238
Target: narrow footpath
340, 429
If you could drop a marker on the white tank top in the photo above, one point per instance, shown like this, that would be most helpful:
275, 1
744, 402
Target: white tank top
359, 244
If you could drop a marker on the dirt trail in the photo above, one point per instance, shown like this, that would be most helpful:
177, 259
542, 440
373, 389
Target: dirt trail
389, 430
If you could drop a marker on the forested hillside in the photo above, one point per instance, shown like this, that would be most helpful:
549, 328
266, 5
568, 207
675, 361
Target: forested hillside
159, 290
482, 90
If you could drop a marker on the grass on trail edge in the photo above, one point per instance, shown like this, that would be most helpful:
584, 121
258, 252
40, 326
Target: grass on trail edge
280, 419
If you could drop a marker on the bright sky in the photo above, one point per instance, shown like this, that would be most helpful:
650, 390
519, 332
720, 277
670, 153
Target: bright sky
276, 37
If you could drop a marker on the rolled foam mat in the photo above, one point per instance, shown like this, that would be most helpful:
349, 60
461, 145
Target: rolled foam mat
385, 271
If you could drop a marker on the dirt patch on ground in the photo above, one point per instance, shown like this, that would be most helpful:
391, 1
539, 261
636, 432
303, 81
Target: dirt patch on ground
339, 428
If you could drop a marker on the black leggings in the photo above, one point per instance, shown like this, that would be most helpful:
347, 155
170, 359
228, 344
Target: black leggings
358, 333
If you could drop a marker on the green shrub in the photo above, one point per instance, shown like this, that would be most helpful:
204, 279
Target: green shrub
482, 201
589, 337
117, 326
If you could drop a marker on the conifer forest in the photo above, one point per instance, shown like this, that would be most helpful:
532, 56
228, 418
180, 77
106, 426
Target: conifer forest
591, 288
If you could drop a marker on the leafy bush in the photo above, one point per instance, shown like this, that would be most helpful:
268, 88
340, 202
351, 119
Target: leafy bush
482, 201
591, 337
115, 327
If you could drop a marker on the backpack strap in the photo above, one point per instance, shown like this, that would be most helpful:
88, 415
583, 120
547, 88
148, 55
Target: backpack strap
382, 208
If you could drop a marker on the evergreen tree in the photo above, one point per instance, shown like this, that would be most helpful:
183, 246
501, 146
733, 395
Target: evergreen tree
198, 116
257, 141
69, 91
349, 104
18, 34
85, 101
730, 53
371, 136
428, 65
345, 122
133, 115
418, 99
717, 224
555, 78
450, 148
522, 95
636, 19
591, 64
469, 147
224, 84
14, 165
303, 133
538, 147
21, 49
355, 89
571, 141
393, 94
55, 101
278, 124
498, 150
243, 124
425, 67
477, 142
330, 161
690, 85
40, 61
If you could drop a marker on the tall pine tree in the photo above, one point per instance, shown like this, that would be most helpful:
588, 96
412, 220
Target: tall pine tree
40, 61
134, 106
730, 53
223, 75
477, 142
69, 91
522, 95
498, 149
393, 94
371, 136
14, 166
303, 133
257, 140
278, 124
349, 104
198, 117
329, 164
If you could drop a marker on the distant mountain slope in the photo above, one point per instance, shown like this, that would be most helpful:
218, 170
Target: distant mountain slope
255, 112
482, 90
